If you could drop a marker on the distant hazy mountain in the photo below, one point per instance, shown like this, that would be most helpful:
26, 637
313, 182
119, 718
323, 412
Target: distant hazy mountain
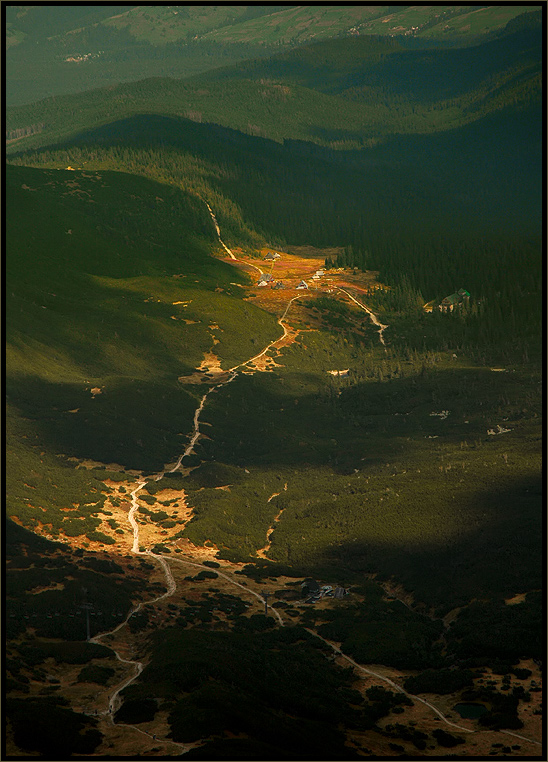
53, 50
345, 93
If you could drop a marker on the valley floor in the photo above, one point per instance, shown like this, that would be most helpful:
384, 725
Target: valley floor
176, 558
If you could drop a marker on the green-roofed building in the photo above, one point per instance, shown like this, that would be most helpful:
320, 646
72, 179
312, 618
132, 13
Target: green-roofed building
454, 300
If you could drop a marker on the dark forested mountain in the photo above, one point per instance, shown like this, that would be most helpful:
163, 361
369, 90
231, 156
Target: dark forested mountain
373, 66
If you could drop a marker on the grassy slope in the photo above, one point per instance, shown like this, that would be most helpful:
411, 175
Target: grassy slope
160, 25
156, 25
93, 308
298, 24
123, 43
303, 23
375, 482
116, 285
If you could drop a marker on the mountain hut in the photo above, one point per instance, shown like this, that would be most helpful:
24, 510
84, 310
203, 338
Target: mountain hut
310, 586
462, 296
450, 302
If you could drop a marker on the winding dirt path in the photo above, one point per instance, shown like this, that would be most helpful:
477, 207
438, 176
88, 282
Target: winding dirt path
411, 695
371, 315
233, 581
286, 331
389, 681
223, 244
261, 553
138, 666
196, 430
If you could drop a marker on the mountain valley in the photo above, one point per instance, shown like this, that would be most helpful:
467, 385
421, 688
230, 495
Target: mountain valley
273, 392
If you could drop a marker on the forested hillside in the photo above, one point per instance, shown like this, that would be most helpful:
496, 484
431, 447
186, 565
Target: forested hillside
54, 51
93, 246
428, 212
375, 68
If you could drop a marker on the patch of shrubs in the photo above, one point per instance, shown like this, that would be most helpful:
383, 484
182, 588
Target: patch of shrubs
263, 570
210, 475
203, 575
95, 674
135, 711
446, 739
102, 565
521, 674
113, 476
67, 652
100, 537
440, 681
37, 725
254, 623
408, 733
168, 481
159, 548
380, 702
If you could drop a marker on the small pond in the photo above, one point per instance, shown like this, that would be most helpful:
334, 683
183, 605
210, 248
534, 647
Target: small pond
470, 711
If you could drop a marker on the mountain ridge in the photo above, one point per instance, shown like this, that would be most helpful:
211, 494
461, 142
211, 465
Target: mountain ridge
279, 107
44, 53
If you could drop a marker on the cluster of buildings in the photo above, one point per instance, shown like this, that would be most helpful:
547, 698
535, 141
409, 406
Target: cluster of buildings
313, 592
83, 57
267, 279
448, 304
